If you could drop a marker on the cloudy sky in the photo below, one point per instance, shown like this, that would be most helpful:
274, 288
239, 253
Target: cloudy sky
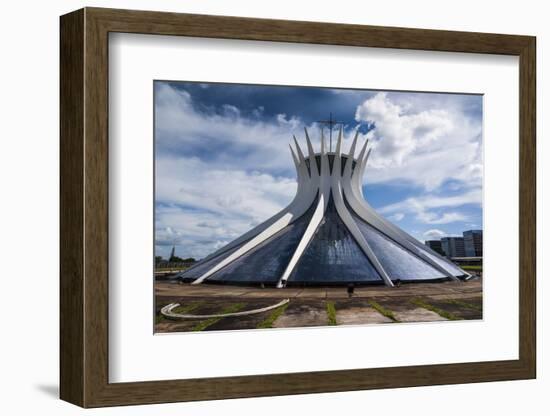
223, 163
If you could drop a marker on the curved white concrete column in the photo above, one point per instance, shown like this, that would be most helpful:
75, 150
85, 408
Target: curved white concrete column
303, 187
364, 211
293, 212
317, 217
346, 217
316, 183
353, 192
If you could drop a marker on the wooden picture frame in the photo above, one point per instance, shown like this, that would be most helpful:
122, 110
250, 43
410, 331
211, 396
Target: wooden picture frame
84, 207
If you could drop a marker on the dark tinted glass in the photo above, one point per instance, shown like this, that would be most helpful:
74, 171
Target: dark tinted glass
266, 262
345, 158
450, 267
202, 267
398, 262
333, 256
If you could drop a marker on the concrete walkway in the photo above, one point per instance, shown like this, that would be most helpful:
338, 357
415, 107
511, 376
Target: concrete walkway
308, 307
451, 290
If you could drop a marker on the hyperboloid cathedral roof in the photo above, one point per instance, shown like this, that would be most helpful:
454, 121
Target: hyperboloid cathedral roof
328, 235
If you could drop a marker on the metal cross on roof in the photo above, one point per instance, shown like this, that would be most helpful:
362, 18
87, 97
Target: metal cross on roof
331, 123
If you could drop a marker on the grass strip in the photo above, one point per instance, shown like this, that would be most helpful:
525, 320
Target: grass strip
445, 314
170, 269
383, 311
472, 268
331, 313
464, 304
201, 326
270, 320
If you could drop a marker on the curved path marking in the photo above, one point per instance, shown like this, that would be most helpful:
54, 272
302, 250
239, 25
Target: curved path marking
167, 311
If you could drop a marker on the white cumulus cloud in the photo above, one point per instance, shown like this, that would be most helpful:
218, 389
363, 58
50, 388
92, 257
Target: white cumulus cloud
421, 144
423, 207
398, 216
434, 234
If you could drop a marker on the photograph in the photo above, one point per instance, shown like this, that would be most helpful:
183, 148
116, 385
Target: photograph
297, 206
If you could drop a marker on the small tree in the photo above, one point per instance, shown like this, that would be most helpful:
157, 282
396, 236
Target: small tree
189, 260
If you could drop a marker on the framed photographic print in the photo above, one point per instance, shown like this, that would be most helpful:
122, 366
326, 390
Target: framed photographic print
256, 207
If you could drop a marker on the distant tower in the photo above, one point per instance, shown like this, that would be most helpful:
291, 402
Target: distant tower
172, 253
328, 235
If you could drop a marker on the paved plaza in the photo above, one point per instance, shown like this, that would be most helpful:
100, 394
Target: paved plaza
327, 306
